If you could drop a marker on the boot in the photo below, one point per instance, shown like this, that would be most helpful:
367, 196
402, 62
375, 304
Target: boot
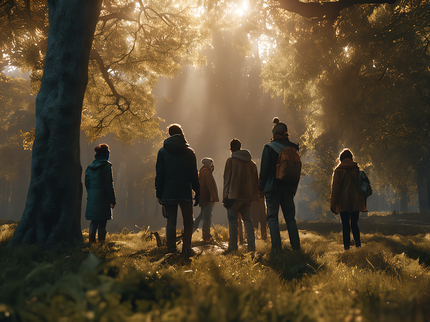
171, 249
102, 235
92, 233
187, 252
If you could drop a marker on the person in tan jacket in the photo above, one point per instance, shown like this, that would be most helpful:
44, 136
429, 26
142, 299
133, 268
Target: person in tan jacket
208, 197
240, 190
345, 199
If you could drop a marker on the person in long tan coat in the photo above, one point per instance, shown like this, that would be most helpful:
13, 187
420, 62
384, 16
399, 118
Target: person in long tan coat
240, 190
345, 199
208, 197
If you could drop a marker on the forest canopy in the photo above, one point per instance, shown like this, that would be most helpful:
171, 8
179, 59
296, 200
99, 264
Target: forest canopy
359, 80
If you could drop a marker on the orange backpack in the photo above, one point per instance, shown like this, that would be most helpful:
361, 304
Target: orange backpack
289, 165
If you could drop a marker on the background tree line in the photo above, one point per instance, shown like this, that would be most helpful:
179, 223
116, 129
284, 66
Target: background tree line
360, 81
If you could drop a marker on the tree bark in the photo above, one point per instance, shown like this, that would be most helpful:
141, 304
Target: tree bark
53, 207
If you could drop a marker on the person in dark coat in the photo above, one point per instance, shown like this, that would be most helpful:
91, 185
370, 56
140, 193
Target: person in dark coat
277, 192
345, 198
208, 197
100, 193
176, 177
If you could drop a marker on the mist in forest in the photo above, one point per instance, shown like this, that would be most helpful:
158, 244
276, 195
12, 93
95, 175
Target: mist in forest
214, 104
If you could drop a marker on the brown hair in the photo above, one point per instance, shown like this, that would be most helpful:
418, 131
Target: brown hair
235, 145
175, 129
101, 147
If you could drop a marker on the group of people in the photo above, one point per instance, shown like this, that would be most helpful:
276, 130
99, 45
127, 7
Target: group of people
178, 179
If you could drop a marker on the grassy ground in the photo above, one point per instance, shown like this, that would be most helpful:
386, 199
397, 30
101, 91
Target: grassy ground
386, 223
126, 279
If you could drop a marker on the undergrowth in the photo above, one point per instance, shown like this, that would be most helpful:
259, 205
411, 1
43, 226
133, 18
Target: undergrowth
127, 278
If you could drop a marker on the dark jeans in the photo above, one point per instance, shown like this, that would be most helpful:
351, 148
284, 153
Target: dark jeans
244, 208
346, 228
206, 215
99, 225
187, 216
285, 199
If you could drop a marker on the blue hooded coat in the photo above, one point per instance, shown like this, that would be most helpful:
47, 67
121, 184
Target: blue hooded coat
100, 190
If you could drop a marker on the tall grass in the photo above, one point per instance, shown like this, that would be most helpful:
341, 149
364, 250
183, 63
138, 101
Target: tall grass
125, 279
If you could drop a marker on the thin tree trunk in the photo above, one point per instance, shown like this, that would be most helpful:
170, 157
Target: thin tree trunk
404, 200
423, 183
53, 207
5, 196
423, 197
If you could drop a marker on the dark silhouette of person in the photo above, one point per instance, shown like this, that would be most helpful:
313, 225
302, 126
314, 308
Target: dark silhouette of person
240, 190
176, 175
277, 192
100, 193
345, 198
208, 197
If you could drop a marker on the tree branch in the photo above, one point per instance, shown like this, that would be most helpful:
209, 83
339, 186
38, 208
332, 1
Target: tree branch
96, 56
324, 10
117, 15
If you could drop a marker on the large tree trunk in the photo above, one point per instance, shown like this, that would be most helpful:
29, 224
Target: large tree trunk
53, 207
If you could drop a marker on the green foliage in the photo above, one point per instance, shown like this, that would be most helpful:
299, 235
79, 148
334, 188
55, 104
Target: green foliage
136, 43
6, 232
23, 34
17, 110
123, 280
360, 83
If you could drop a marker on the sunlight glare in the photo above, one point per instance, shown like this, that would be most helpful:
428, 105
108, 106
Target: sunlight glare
346, 51
242, 8
198, 12
266, 47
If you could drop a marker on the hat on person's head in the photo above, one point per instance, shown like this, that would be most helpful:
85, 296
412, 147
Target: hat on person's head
207, 162
279, 127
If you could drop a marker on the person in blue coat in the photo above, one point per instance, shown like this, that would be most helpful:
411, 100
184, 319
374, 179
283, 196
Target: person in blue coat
100, 193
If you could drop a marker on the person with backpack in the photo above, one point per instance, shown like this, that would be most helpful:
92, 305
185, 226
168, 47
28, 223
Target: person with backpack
176, 176
240, 190
100, 193
279, 178
345, 197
